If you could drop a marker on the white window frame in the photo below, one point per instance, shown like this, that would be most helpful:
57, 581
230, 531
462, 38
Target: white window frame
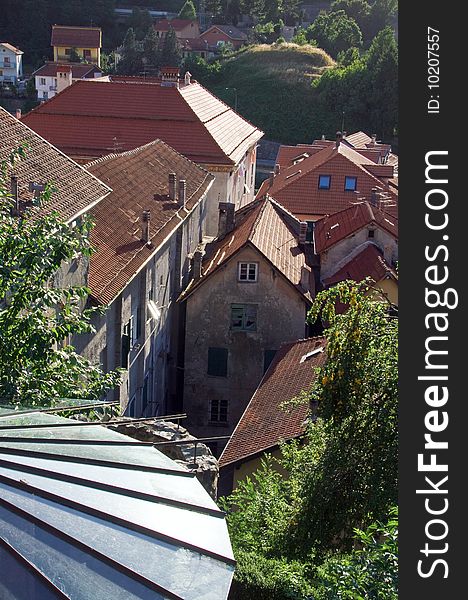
248, 266
218, 410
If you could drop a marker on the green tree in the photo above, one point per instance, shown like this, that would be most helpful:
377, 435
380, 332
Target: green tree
359, 10
140, 21
37, 318
130, 62
151, 51
188, 11
170, 54
335, 32
382, 14
74, 56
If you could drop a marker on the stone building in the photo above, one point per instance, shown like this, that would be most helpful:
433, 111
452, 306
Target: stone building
145, 234
250, 294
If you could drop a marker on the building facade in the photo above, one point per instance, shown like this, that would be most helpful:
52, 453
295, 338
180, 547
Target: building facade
52, 78
86, 41
11, 63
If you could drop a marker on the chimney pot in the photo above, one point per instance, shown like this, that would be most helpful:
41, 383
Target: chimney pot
197, 264
18, 113
172, 186
187, 77
182, 192
375, 196
302, 232
226, 221
277, 169
271, 178
339, 137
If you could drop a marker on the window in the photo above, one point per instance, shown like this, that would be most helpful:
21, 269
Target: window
218, 411
371, 233
42, 81
217, 362
128, 340
350, 184
310, 231
67, 51
243, 317
247, 271
324, 182
268, 356
87, 53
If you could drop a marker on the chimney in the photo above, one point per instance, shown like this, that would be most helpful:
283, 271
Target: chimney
277, 169
145, 227
306, 273
182, 192
323, 136
375, 197
302, 232
170, 76
339, 137
18, 113
271, 178
64, 77
172, 186
197, 264
226, 221
374, 139
187, 77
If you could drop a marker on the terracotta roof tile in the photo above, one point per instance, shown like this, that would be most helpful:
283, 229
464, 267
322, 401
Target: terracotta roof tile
233, 32
358, 139
79, 70
332, 229
176, 24
76, 37
94, 118
296, 187
264, 423
368, 263
76, 189
139, 179
274, 233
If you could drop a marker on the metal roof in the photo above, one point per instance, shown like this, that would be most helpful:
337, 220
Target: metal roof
83, 514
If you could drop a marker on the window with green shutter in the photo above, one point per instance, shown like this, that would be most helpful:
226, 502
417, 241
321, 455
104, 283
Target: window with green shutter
244, 317
217, 362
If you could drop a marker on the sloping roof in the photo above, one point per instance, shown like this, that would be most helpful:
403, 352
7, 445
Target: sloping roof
359, 139
111, 519
93, 119
268, 228
296, 187
264, 423
368, 263
79, 70
12, 48
139, 179
231, 31
76, 37
76, 189
176, 24
332, 229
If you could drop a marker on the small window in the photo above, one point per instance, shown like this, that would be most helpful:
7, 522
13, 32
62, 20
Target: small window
218, 411
217, 362
268, 356
371, 233
67, 51
87, 53
247, 271
244, 317
42, 80
324, 182
350, 184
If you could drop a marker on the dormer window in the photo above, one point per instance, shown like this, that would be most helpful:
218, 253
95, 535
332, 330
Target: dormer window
324, 182
350, 184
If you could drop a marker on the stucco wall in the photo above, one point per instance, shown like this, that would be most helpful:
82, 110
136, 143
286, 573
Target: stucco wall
281, 315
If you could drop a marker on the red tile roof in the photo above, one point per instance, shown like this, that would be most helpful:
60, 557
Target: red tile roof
79, 70
76, 190
332, 229
76, 37
12, 48
264, 423
139, 179
176, 24
368, 263
91, 119
233, 32
296, 187
269, 229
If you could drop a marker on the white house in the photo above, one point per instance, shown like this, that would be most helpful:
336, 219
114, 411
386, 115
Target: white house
52, 77
11, 66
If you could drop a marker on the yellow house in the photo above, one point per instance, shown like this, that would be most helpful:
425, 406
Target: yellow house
87, 41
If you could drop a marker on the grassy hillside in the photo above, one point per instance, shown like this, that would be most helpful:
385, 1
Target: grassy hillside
274, 89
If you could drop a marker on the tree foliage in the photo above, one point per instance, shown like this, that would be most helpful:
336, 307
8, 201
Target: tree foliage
188, 11
37, 316
170, 54
335, 32
342, 479
130, 62
140, 21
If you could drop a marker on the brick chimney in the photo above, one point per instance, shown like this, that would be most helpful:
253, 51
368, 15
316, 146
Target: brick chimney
172, 186
182, 192
169, 76
302, 232
64, 77
145, 227
226, 222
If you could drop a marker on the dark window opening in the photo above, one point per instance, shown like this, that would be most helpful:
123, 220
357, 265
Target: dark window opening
371, 233
217, 362
324, 182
